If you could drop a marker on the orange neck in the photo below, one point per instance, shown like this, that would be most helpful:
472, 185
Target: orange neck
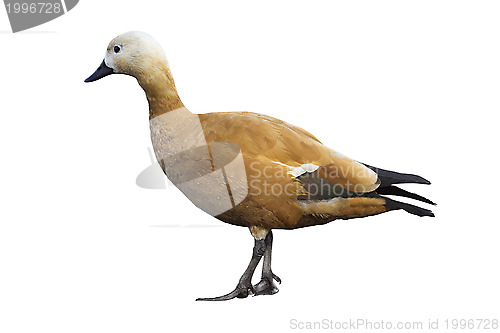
160, 91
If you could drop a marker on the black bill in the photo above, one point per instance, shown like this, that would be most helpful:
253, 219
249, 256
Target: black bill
100, 72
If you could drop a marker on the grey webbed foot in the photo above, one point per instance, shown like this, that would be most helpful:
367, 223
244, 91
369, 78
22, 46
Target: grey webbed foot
242, 290
266, 286
244, 287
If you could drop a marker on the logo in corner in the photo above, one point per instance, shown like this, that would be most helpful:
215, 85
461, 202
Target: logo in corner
26, 14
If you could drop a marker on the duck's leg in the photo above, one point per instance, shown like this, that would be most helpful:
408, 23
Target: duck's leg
266, 286
244, 287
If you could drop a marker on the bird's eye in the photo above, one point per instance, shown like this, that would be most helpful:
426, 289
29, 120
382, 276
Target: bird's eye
117, 49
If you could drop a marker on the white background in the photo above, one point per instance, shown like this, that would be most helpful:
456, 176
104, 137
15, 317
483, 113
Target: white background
410, 86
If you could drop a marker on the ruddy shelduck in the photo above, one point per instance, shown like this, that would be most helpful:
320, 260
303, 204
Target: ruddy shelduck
248, 169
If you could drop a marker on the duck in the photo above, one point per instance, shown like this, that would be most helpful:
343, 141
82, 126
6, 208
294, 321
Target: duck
252, 170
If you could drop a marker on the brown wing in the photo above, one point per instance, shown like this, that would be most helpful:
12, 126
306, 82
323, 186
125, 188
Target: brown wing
282, 143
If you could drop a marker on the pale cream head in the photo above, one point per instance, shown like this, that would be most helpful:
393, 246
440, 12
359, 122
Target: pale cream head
135, 53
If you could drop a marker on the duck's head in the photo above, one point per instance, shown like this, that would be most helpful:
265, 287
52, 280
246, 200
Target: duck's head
133, 53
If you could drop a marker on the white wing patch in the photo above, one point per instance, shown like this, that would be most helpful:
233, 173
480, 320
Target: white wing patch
300, 170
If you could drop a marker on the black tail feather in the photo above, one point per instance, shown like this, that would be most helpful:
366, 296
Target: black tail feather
412, 209
388, 178
394, 190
